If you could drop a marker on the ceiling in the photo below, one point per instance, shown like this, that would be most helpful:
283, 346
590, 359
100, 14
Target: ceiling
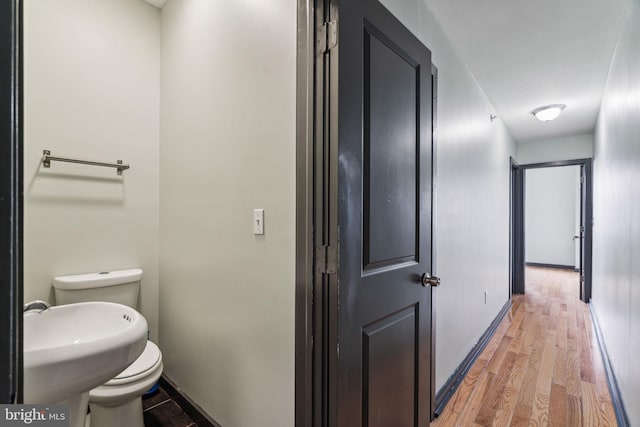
156, 3
525, 54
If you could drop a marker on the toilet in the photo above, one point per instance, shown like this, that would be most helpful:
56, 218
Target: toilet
118, 402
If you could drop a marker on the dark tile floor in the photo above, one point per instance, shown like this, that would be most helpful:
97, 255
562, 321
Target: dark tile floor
167, 408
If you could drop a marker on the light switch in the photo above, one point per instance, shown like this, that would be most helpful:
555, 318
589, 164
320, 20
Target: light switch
258, 221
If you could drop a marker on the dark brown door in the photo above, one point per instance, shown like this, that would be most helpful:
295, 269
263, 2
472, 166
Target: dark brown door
384, 220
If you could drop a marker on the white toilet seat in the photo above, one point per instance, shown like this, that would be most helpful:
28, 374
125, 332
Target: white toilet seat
139, 377
147, 361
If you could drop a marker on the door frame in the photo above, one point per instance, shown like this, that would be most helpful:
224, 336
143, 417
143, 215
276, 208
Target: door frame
516, 229
304, 264
316, 190
434, 196
517, 208
11, 286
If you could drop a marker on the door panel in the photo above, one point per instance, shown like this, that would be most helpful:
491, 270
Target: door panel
383, 327
390, 89
389, 363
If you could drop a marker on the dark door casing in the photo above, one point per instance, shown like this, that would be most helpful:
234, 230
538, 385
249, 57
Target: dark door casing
517, 242
383, 327
10, 204
581, 234
586, 222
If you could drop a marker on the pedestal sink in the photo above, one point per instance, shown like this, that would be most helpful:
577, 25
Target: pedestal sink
71, 349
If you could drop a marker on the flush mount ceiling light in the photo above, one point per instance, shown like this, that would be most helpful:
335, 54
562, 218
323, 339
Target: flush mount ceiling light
548, 112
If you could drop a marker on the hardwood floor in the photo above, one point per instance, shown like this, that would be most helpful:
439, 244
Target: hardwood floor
541, 368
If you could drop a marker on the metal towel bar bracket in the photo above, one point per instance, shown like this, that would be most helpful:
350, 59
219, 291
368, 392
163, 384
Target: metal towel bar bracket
47, 158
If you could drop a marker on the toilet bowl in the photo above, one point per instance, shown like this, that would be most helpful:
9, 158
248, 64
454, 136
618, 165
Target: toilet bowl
118, 402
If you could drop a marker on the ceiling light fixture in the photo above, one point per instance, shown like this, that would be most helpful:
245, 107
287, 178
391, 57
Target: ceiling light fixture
548, 112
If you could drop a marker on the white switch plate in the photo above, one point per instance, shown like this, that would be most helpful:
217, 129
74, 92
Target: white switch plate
258, 221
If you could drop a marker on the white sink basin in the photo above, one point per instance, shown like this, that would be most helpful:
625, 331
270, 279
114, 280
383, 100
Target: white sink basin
71, 349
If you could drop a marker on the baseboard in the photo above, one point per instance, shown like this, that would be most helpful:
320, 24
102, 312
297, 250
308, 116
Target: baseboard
192, 409
543, 265
449, 388
614, 390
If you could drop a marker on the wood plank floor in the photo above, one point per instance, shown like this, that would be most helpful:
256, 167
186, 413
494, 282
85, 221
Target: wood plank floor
541, 368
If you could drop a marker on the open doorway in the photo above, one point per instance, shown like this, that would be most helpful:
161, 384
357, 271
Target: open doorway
551, 226
552, 206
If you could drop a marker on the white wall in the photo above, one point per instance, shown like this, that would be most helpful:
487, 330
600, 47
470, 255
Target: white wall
91, 91
227, 147
616, 251
547, 150
550, 215
472, 207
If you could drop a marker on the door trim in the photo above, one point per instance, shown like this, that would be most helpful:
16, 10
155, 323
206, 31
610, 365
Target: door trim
516, 229
316, 183
434, 269
304, 214
11, 286
587, 204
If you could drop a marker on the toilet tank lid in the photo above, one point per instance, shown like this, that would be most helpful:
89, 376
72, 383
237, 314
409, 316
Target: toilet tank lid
96, 280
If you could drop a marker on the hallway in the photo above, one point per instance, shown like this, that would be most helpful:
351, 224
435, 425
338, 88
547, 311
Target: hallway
542, 366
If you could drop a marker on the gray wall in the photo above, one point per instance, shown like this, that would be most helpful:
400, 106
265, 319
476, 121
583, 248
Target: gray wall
227, 147
91, 91
616, 252
472, 206
547, 150
550, 215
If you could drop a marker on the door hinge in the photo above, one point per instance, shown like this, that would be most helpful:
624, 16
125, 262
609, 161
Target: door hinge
326, 259
581, 279
327, 37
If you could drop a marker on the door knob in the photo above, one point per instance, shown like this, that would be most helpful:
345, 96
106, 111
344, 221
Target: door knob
577, 237
429, 280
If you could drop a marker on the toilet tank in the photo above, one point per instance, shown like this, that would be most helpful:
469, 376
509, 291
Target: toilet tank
121, 286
